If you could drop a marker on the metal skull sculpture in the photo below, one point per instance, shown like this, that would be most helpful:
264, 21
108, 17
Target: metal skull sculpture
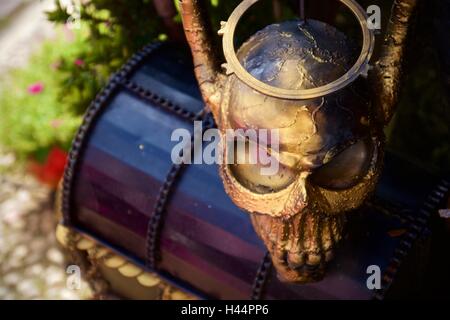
300, 78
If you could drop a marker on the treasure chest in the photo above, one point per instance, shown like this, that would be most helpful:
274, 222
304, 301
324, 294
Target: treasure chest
144, 219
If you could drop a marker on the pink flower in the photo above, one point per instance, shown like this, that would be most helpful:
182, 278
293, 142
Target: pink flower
79, 62
36, 88
56, 123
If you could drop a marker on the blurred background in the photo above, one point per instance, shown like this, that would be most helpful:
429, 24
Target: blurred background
56, 55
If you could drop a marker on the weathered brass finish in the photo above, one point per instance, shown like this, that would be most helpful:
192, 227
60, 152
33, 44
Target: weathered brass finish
284, 77
387, 74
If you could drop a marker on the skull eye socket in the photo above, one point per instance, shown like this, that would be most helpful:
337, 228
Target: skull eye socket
252, 176
347, 168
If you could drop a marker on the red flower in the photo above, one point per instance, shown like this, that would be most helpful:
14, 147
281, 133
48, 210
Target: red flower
36, 88
50, 172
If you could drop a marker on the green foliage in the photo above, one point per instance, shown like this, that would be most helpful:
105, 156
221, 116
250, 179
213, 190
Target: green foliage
71, 72
116, 29
33, 123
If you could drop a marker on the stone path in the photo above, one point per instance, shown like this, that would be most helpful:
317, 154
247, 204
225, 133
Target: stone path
32, 264
23, 32
7, 7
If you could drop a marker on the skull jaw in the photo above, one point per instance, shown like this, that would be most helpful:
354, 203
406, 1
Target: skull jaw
300, 246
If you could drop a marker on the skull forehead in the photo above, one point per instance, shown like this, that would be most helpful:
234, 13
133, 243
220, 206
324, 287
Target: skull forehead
295, 55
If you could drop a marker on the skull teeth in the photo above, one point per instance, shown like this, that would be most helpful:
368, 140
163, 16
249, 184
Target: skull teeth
300, 247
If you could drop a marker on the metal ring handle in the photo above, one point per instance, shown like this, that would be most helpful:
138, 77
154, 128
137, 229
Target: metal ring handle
234, 66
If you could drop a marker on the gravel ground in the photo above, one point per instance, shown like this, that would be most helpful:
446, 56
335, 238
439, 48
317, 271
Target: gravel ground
32, 264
